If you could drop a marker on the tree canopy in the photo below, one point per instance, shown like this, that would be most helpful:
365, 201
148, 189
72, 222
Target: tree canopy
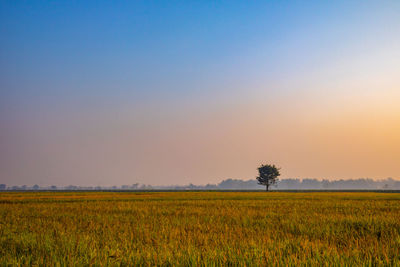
268, 175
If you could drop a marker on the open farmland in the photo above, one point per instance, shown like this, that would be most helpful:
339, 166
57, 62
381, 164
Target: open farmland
199, 228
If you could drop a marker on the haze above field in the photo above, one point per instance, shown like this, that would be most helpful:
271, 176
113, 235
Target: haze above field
166, 92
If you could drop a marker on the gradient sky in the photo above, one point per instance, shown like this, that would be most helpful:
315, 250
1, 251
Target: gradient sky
173, 92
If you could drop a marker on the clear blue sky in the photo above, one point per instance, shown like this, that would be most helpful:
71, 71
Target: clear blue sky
96, 89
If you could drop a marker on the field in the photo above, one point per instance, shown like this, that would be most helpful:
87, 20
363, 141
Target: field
199, 228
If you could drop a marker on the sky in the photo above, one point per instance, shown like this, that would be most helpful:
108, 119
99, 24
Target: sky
174, 92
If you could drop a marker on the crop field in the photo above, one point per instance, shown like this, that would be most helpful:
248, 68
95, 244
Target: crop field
199, 228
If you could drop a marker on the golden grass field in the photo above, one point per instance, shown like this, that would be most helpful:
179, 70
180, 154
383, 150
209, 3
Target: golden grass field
199, 228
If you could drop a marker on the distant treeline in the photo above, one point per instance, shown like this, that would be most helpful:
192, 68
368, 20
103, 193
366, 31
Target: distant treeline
315, 184
236, 184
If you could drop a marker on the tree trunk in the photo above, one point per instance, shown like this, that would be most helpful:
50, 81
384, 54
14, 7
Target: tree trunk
266, 187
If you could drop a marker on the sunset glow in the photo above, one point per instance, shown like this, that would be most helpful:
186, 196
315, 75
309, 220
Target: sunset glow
178, 93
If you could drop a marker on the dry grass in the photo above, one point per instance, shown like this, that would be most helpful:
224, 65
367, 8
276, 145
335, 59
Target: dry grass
199, 228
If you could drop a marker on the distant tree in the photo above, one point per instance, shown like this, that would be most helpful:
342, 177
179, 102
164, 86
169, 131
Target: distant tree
3, 187
326, 184
191, 186
211, 186
386, 186
268, 175
53, 187
35, 187
135, 186
311, 184
71, 187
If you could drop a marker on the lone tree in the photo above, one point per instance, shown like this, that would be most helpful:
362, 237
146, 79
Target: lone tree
268, 175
